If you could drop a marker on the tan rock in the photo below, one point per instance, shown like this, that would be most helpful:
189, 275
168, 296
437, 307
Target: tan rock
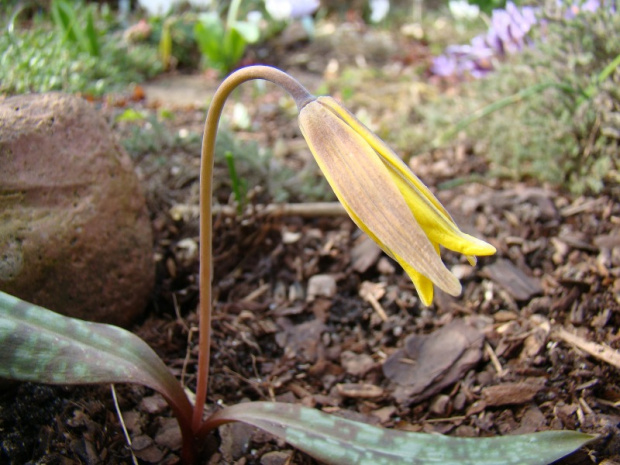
75, 236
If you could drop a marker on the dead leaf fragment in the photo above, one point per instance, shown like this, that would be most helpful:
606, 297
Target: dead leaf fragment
276, 457
144, 449
518, 284
384, 413
510, 393
364, 254
301, 341
533, 420
429, 363
356, 364
440, 405
235, 440
153, 404
321, 285
169, 435
359, 391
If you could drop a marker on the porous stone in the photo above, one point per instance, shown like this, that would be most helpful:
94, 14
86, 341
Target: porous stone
75, 236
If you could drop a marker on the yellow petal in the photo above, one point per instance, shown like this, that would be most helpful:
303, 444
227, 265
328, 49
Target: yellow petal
423, 285
366, 189
438, 227
429, 212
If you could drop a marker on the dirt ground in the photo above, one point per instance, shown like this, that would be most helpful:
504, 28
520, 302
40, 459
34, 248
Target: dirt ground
307, 309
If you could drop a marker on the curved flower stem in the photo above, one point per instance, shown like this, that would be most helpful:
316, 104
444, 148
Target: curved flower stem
301, 97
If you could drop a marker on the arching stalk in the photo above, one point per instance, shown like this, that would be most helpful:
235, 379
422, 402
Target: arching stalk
301, 97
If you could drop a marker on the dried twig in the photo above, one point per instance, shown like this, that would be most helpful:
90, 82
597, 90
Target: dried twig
371, 293
310, 209
122, 422
188, 352
600, 351
494, 360
256, 293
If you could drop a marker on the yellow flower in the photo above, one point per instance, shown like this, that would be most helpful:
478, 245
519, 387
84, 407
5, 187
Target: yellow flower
384, 198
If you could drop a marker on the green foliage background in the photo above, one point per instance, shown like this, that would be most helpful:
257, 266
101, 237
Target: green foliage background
37, 57
567, 134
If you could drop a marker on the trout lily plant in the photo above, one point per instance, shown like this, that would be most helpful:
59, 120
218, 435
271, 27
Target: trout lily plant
387, 201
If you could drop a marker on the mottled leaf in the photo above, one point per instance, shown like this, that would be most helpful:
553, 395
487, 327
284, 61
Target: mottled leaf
39, 345
335, 440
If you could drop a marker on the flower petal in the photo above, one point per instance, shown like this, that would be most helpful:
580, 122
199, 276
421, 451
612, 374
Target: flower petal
365, 187
423, 285
438, 227
429, 212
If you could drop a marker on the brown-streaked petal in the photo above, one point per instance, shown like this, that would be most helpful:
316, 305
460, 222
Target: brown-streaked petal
367, 190
429, 212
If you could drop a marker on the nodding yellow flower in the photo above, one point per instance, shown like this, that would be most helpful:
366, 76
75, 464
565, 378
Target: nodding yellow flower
384, 198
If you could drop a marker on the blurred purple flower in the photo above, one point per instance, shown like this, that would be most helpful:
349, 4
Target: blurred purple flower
522, 20
444, 65
591, 5
576, 8
508, 33
509, 28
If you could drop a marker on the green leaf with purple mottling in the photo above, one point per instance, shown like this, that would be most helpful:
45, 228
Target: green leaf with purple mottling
39, 345
336, 440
